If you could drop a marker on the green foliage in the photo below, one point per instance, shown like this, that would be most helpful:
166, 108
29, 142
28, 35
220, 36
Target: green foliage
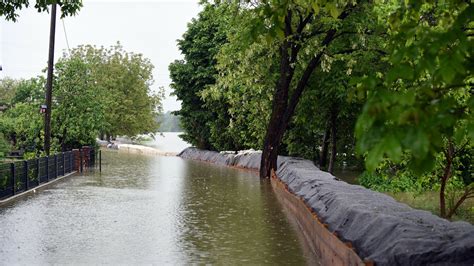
7, 91
21, 123
234, 106
4, 146
244, 81
422, 104
120, 82
397, 177
29, 91
77, 112
9, 9
94, 91
425, 97
385, 183
190, 76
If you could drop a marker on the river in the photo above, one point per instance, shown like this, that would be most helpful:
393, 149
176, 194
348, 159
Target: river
150, 209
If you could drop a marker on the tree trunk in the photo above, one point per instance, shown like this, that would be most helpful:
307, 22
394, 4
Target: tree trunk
323, 159
272, 137
449, 154
332, 160
442, 200
283, 107
280, 102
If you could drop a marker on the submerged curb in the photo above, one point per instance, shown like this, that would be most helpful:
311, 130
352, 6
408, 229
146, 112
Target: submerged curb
140, 149
374, 225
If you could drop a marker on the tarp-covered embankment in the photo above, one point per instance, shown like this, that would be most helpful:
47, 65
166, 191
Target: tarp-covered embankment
380, 229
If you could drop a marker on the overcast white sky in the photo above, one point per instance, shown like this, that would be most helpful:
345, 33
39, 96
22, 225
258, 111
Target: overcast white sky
149, 27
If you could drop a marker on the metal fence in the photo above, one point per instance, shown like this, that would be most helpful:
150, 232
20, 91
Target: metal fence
20, 176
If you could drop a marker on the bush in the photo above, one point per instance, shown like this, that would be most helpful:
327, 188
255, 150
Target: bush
4, 146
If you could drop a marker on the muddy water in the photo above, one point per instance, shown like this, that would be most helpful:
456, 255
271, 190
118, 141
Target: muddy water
150, 209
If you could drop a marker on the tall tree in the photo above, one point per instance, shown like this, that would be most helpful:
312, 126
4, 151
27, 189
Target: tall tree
122, 81
78, 113
190, 76
305, 34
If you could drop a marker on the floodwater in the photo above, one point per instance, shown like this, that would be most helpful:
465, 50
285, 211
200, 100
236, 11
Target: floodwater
349, 176
150, 210
168, 141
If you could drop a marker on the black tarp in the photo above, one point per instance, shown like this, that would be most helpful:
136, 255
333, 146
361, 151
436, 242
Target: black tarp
380, 228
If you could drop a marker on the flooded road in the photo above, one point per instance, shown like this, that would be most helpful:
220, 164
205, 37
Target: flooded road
150, 209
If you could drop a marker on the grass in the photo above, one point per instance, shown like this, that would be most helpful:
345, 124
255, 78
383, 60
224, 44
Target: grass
429, 201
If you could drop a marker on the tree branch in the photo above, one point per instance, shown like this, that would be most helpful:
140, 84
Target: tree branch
349, 51
288, 29
309, 70
304, 22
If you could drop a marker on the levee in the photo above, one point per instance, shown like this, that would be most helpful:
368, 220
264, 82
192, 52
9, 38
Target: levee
349, 225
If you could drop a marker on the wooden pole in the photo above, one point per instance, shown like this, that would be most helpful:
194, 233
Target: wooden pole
49, 82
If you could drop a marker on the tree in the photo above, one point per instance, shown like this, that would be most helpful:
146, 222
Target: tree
96, 90
190, 76
422, 106
21, 123
305, 33
122, 82
78, 114
7, 90
245, 74
4, 146
323, 124
9, 9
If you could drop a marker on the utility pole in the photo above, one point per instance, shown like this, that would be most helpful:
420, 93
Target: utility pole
49, 82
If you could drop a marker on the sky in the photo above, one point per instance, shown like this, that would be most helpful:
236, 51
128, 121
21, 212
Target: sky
148, 27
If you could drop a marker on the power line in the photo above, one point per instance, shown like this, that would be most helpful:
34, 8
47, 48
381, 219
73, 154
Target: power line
65, 34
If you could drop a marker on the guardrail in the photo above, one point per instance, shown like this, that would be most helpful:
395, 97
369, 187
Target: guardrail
21, 176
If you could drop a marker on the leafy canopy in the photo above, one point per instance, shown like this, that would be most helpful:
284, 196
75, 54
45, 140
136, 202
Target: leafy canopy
425, 97
9, 9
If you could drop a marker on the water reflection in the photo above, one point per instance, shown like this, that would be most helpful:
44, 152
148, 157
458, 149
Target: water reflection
145, 209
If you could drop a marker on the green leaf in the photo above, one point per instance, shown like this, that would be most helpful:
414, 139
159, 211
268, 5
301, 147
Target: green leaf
393, 148
333, 10
403, 71
374, 157
447, 73
315, 7
420, 144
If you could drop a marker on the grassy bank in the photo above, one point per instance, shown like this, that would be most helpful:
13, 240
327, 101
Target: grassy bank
429, 201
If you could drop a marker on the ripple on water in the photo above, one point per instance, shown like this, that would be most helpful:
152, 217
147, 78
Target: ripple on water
144, 209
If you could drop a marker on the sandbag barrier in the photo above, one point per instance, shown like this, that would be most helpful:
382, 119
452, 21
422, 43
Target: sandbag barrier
378, 228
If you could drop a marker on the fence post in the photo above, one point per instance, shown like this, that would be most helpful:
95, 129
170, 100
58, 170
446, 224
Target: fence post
71, 161
100, 161
38, 173
80, 158
64, 164
47, 168
27, 178
55, 166
12, 177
